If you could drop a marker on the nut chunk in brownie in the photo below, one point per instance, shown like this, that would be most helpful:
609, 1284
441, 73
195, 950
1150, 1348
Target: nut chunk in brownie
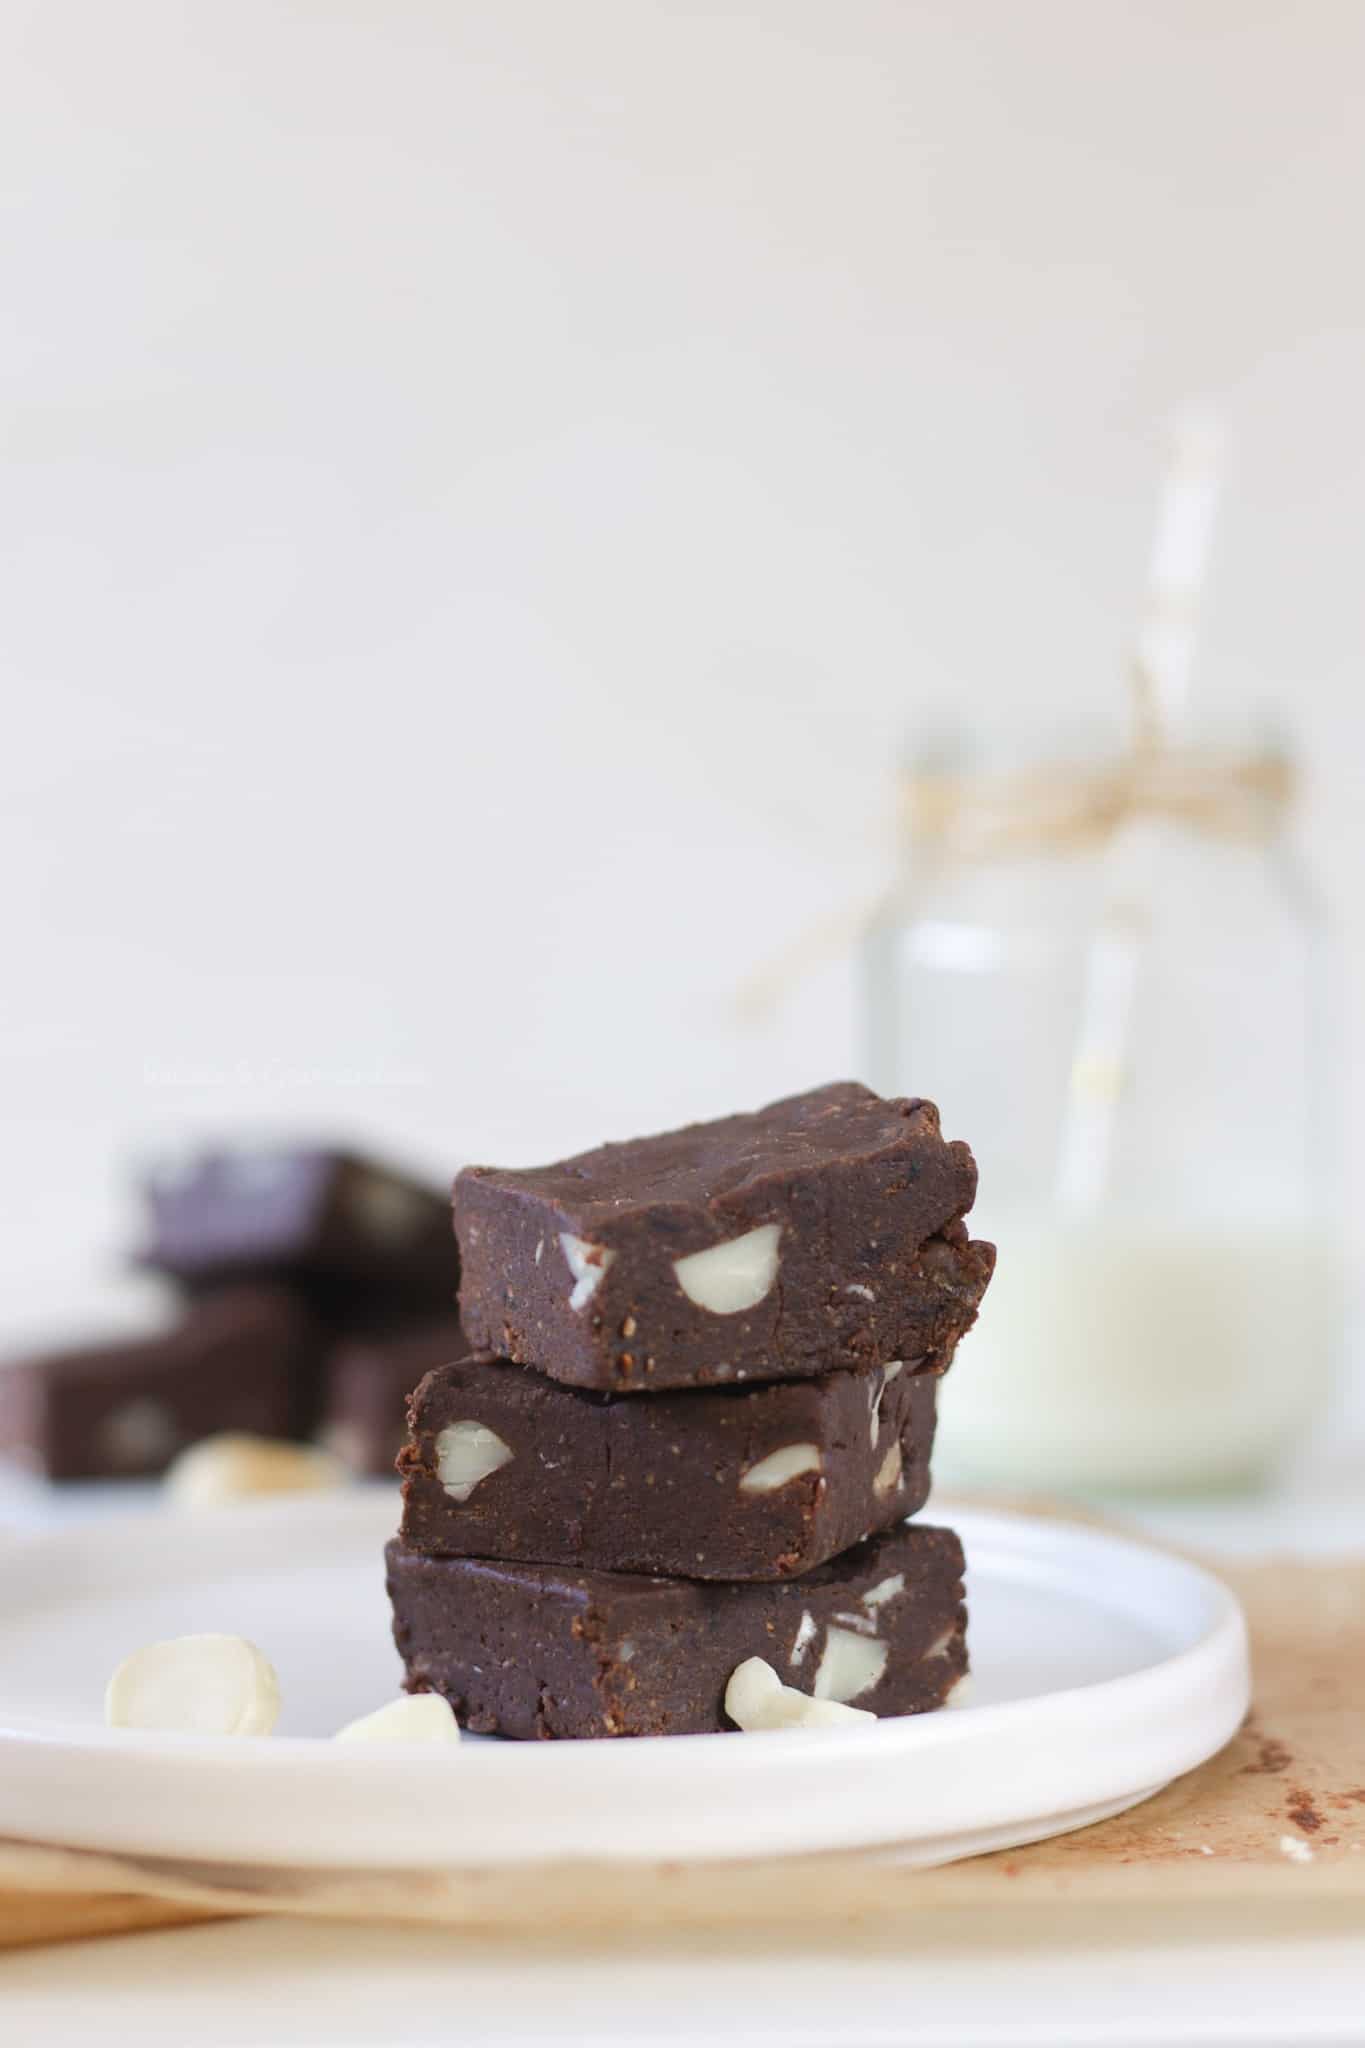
822, 1231
752, 1482
543, 1650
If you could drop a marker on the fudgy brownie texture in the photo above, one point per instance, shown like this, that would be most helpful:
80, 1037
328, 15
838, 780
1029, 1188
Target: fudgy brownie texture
823, 1231
122, 1410
537, 1650
366, 1383
348, 1234
759, 1482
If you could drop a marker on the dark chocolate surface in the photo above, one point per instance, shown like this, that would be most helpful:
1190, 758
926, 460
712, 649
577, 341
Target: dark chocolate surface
873, 1262
709, 1166
658, 1485
537, 1650
366, 1383
123, 1410
353, 1236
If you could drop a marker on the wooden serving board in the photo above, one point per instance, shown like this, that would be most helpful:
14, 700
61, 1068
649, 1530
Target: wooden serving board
1279, 1816
30, 1917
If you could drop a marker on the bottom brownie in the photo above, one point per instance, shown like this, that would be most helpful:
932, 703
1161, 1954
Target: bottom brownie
537, 1650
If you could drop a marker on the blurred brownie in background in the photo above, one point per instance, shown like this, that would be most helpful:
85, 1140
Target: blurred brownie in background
122, 1409
367, 1379
353, 1237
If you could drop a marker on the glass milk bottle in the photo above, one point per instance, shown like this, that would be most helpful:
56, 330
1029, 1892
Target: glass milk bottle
1114, 982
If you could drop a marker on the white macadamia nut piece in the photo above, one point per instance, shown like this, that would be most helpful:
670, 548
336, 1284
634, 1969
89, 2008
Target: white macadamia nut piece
137, 1434
805, 1636
779, 1467
195, 1685
347, 1441
863, 1624
727, 1278
884, 1590
877, 1395
889, 1471
412, 1717
963, 1693
235, 1466
466, 1452
857, 1287
757, 1699
386, 1208
588, 1264
851, 1665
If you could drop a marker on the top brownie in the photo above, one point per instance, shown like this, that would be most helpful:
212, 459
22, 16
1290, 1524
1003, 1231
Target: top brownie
822, 1231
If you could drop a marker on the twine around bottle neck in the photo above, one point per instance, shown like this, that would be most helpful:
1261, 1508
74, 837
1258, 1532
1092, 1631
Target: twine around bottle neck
1059, 808
1062, 807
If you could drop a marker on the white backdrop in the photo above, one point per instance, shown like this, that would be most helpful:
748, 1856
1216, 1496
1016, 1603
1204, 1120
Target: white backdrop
489, 487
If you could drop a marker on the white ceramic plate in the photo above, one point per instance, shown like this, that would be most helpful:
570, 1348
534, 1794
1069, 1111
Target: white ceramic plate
1102, 1670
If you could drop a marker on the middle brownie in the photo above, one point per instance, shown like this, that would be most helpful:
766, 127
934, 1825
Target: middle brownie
761, 1482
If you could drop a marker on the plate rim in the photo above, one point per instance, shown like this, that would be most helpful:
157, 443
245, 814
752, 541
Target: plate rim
1212, 1669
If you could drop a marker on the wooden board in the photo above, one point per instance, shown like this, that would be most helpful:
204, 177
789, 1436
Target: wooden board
27, 1918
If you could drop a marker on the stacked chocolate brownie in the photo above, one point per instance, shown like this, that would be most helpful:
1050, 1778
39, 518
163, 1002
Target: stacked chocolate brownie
701, 1411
